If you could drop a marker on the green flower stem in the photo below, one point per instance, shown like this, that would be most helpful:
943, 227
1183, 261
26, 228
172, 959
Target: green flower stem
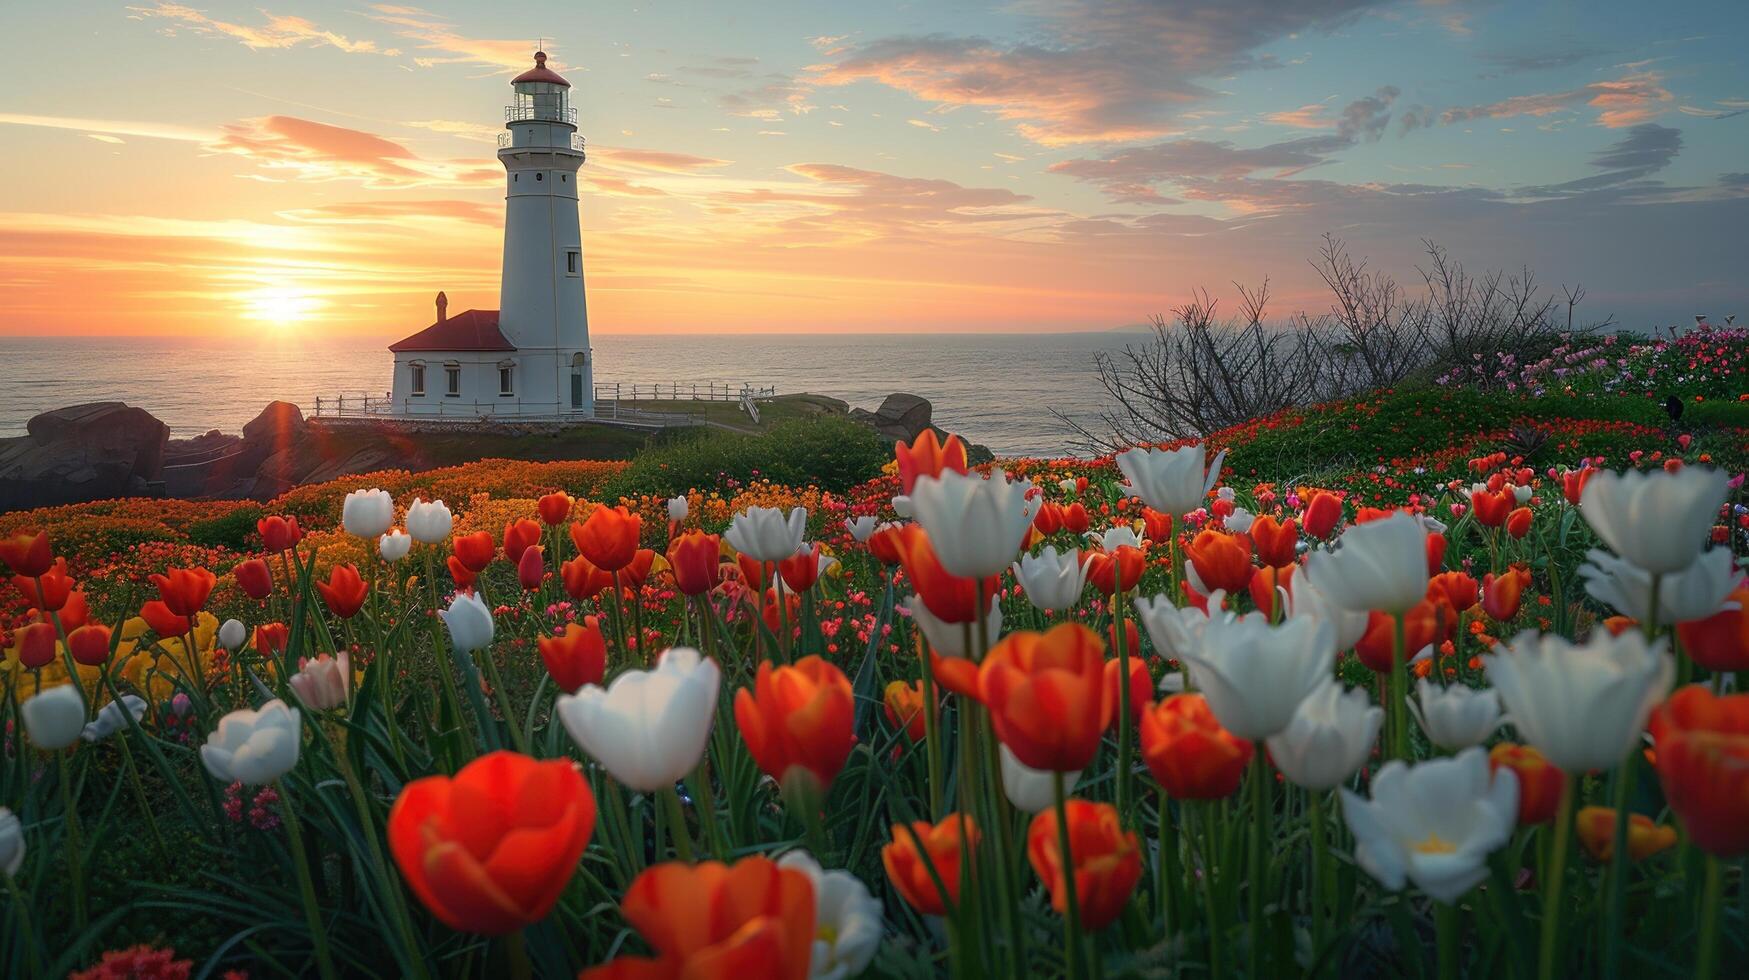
931, 730
75, 857
503, 696
1619, 869
306, 886
1447, 929
21, 909
1399, 689
1072, 907
1549, 947
1125, 734
1254, 897
1706, 954
1166, 869
127, 759
677, 824
1320, 858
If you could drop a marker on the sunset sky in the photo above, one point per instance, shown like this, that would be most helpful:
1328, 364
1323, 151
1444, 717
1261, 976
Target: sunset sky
325, 167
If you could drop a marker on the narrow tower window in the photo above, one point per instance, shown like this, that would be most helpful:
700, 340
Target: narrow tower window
573, 262
418, 379
504, 388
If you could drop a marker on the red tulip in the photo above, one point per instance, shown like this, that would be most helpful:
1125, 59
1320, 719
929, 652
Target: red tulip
1539, 781
1116, 571
928, 456
1105, 859
519, 536
1435, 553
531, 568
554, 508
1421, 627
1075, 519
1518, 523
1456, 588
49, 591
801, 570
1276, 543
1595, 828
1501, 593
36, 645
1141, 682
1047, 694
279, 533
1491, 507
344, 592
798, 720
254, 578
1049, 518
609, 538
883, 544
1265, 583
1189, 753
492, 849
27, 554
945, 845
475, 551
1156, 525
271, 639
1221, 561
1720, 642
185, 590
583, 580
1702, 744
463, 575
89, 645
1573, 483
576, 657
75, 613
164, 622
1323, 512
695, 559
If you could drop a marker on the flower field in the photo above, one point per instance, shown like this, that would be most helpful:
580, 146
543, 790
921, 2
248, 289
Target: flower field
1431, 682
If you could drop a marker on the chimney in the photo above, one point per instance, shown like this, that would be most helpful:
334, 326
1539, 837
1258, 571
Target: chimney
442, 307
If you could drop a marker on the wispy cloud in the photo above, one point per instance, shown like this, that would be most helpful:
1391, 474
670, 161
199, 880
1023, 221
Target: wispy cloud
275, 30
445, 44
1634, 98
317, 151
113, 127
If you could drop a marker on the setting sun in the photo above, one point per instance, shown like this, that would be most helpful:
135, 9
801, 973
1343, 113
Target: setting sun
279, 305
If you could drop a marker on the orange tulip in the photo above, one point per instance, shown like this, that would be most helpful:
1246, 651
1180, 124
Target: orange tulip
1047, 696
609, 537
955, 675
695, 558
554, 508
519, 536
279, 533
713, 921
1720, 642
1222, 561
1421, 627
344, 592
798, 720
1105, 859
1190, 754
463, 575
1435, 553
1075, 519
904, 704
634, 575
49, 591
491, 849
949, 598
89, 645
1457, 588
1141, 682
1156, 525
801, 570
1702, 743
583, 580
928, 456
884, 543
1518, 523
26, 554
1573, 483
36, 645
944, 844
271, 638
1276, 542
163, 622
1501, 594
1595, 826
531, 568
1323, 512
577, 656
475, 551
185, 590
75, 613
1049, 518
1539, 782
1116, 571
254, 578
1265, 583
1491, 507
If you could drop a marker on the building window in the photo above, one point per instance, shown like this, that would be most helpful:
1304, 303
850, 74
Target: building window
573, 262
418, 374
453, 378
504, 388
540, 176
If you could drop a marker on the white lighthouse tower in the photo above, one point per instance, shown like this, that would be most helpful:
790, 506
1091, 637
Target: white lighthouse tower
530, 357
541, 310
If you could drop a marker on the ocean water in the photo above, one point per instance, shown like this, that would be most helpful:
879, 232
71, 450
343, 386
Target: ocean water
997, 389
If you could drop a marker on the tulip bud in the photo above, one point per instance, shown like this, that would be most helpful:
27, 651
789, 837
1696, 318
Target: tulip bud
54, 718
254, 578
394, 545
367, 513
469, 622
233, 635
677, 509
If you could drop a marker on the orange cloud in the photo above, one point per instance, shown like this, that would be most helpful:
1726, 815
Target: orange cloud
318, 151
431, 32
1626, 101
279, 31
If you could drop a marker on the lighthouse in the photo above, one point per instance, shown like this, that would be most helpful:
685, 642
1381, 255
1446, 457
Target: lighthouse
531, 356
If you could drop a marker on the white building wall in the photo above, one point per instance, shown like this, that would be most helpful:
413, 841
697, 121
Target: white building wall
478, 386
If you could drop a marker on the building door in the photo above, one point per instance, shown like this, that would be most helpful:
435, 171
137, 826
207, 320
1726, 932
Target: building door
577, 380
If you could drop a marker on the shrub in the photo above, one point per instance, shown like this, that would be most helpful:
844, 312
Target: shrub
830, 452
234, 530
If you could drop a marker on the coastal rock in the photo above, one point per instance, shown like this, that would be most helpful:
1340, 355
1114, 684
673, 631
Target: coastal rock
83, 452
902, 417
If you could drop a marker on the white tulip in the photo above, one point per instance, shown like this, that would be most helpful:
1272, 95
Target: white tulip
1172, 481
975, 524
1582, 705
1696, 592
1117, 536
1378, 565
1068, 484
677, 509
949, 639
322, 683
1240, 520
1053, 579
429, 522
1523, 494
861, 528
254, 747
902, 506
1455, 716
394, 545
1331, 735
1029, 789
848, 923
54, 718
1307, 599
367, 513
233, 635
1175, 631
767, 533
111, 718
1255, 675
1656, 519
470, 622
11, 842
1434, 823
648, 727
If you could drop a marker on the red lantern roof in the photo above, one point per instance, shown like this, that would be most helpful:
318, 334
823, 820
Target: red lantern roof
541, 73
474, 330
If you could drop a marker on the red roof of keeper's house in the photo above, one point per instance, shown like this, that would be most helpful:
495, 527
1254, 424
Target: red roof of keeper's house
470, 330
541, 73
